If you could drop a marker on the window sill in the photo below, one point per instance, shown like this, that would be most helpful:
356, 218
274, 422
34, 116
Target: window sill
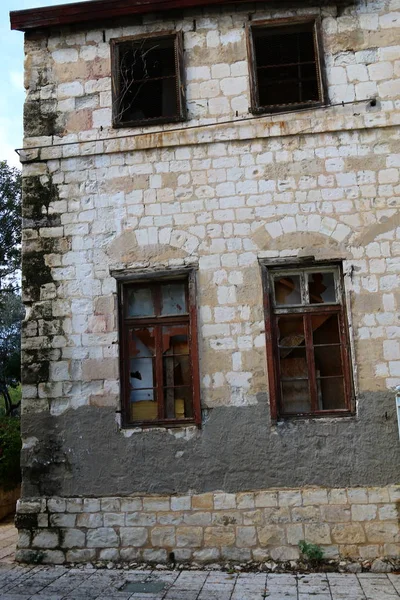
149, 122
286, 108
345, 414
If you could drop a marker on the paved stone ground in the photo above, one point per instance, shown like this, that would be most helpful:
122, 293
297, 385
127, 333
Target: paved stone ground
59, 583
8, 540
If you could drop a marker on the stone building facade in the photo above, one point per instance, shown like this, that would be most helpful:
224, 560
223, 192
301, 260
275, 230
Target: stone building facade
230, 196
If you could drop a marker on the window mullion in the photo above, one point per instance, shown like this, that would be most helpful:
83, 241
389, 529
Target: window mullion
311, 362
159, 372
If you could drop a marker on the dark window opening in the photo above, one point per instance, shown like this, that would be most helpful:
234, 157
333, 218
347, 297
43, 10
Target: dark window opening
147, 80
307, 342
159, 352
285, 66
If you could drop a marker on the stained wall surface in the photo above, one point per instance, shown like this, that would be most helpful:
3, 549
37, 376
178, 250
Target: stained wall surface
221, 192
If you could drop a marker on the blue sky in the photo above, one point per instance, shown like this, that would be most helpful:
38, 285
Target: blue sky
11, 74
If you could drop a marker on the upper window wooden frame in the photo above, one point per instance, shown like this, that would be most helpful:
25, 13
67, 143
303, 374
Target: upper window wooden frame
313, 330
164, 84
279, 100
170, 358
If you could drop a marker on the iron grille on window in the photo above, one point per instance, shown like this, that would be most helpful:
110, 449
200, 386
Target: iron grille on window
307, 341
285, 66
147, 80
159, 367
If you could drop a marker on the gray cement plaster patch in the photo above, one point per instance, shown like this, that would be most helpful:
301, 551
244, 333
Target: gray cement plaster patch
237, 449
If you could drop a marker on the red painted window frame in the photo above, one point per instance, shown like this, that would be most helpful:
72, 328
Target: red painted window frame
271, 333
189, 319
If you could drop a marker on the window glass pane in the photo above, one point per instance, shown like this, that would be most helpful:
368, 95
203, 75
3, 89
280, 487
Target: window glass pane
296, 396
143, 406
139, 302
176, 371
286, 65
287, 290
325, 329
146, 80
290, 330
293, 363
142, 342
173, 298
321, 287
175, 340
331, 394
178, 403
328, 361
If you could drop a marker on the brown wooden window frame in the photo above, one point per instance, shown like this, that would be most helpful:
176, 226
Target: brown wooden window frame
181, 114
255, 106
272, 311
154, 281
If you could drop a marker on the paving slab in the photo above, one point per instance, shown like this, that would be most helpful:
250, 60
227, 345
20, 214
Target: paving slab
60, 583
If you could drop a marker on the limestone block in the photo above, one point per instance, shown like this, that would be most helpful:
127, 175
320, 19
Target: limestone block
245, 500
348, 533
363, 512
235, 554
284, 553
289, 498
336, 513
112, 519
91, 505
163, 536
29, 506
81, 556
294, 534
318, 533
53, 557
156, 504
189, 537
133, 536
154, 556
131, 504
111, 554
202, 502
179, 503
206, 555
246, 537
73, 538
198, 518
271, 535
306, 514
382, 532
90, 520
62, 520
45, 539
24, 539
102, 537
266, 499
140, 518
314, 496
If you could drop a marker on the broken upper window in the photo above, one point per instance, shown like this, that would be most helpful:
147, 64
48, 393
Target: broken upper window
158, 353
307, 339
148, 80
285, 66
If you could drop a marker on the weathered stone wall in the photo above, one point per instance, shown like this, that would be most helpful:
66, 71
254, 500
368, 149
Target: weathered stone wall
220, 196
355, 523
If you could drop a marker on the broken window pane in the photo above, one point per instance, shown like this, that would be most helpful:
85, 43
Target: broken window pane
173, 299
325, 329
178, 403
287, 290
328, 361
291, 330
331, 395
175, 340
321, 288
286, 65
296, 396
143, 403
140, 302
146, 80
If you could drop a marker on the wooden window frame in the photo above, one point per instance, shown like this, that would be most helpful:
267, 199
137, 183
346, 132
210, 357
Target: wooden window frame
189, 318
255, 106
181, 115
271, 331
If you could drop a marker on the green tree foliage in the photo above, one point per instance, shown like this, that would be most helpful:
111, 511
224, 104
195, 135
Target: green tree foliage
10, 227
10, 447
11, 312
